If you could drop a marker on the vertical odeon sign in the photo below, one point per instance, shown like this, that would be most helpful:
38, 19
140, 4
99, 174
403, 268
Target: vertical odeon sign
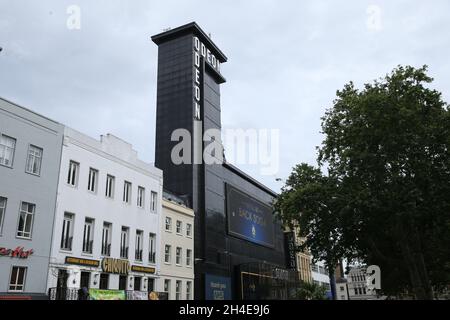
200, 50
201, 55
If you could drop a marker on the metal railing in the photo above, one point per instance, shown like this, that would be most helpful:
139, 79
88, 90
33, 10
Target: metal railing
66, 243
87, 246
152, 257
124, 252
63, 294
138, 255
106, 249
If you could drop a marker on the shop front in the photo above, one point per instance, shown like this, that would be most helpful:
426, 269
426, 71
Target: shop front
262, 281
106, 279
19, 269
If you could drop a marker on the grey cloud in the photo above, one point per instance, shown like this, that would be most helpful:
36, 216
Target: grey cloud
286, 61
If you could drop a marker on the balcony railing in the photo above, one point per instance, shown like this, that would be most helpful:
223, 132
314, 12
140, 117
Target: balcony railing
138, 255
152, 257
66, 243
87, 246
63, 294
124, 252
106, 249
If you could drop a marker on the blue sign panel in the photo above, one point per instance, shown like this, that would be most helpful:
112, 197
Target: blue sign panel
217, 288
249, 218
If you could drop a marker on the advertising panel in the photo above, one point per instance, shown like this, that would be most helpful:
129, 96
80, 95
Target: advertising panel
97, 294
249, 218
217, 288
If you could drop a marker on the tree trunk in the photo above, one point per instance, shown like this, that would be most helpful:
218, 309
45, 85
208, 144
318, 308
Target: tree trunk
415, 264
332, 285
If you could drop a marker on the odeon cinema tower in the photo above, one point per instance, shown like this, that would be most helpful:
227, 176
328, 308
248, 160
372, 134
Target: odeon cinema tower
238, 244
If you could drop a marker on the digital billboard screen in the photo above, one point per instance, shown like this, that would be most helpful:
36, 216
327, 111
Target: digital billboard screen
249, 218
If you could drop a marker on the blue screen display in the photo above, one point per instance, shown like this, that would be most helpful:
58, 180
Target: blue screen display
217, 288
249, 218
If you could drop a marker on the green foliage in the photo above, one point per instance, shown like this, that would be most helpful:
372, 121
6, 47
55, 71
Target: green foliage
386, 149
311, 291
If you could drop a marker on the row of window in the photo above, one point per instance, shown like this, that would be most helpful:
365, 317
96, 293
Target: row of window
123, 281
179, 227
93, 178
25, 220
8, 148
178, 256
358, 277
88, 239
319, 269
360, 291
323, 284
178, 289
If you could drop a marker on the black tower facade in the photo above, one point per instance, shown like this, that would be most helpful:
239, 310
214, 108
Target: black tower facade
235, 233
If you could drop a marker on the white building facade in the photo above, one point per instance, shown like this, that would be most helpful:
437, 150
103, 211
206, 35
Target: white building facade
341, 289
107, 226
177, 251
357, 285
320, 274
30, 151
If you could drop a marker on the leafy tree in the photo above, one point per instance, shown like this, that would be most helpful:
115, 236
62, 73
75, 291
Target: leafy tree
311, 291
386, 149
310, 202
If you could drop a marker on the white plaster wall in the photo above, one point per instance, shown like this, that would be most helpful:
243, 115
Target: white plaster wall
114, 157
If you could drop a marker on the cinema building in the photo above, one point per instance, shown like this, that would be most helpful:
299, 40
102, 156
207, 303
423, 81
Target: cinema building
107, 223
238, 243
30, 151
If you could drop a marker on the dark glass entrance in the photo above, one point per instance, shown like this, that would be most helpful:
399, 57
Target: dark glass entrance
137, 283
61, 286
85, 279
123, 283
104, 281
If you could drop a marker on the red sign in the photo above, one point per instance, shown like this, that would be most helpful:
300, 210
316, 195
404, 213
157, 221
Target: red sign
16, 253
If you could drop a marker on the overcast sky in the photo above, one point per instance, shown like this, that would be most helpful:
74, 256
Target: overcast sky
286, 61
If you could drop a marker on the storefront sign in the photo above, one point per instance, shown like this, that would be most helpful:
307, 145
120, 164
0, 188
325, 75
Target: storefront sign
280, 274
16, 253
198, 46
291, 254
82, 262
201, 50
249, 218
143, 269
217, 288
118, 266
97, 294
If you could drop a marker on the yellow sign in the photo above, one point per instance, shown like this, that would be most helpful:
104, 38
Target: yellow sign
82, 262
112, 265
143, 269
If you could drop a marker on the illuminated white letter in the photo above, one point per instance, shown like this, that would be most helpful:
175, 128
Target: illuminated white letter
197, 59
197, 76
196, 44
